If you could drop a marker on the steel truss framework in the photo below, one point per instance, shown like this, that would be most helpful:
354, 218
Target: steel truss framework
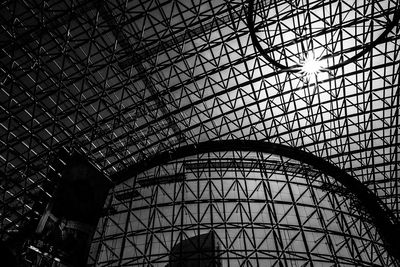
294, 30
265, 209
122, 81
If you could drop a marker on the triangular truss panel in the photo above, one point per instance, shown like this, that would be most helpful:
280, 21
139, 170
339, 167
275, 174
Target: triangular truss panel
265, 210
122, 81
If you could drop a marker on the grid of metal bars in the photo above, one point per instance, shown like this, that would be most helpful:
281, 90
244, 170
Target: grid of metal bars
287, 33
266, 210
124, 80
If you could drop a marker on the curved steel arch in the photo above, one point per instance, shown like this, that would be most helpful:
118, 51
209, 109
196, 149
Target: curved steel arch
383, 218
256, 43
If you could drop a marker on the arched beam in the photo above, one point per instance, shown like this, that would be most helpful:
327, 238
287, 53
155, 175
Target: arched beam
383, 218
368, 47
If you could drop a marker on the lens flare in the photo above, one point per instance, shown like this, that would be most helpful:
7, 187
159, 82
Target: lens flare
311, 66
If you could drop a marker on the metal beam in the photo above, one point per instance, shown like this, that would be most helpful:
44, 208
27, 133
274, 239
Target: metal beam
364, 49
123, 41
382, 217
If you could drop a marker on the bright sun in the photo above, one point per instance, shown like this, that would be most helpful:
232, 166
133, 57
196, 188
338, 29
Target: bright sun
311, 65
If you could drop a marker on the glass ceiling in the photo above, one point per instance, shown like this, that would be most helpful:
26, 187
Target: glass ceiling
121, 81
264, 210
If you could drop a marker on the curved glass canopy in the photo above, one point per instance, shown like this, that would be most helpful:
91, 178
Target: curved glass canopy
262, 209
122, 81
334, 33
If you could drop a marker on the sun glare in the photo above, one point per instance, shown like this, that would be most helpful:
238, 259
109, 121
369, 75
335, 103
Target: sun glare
311, 66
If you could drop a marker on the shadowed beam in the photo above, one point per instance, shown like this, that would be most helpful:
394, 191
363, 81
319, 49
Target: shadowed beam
123, 41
